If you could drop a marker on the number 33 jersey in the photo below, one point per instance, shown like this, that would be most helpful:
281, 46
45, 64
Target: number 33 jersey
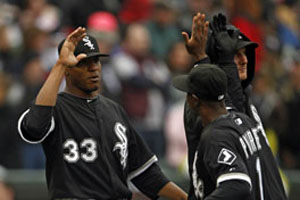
90, 146
233, 148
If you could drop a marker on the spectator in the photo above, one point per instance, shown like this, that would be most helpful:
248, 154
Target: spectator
247, 16
9, 141
33, 77
290, 147
135, 11
41, 14
163, 29
144, 82
6, 191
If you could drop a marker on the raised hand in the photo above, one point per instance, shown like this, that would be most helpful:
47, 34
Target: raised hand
226, 42
66, 56
197, 43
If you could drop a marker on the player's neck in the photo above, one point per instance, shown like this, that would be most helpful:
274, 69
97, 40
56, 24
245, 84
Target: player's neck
82, 94
209, 114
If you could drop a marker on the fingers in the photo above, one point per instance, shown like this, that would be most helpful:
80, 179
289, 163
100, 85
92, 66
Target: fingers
195, 26
205, 30
199, 26
80, 56
76, 35
201, 23
214, 25
185, 36
67, 57
222, 21
219, 23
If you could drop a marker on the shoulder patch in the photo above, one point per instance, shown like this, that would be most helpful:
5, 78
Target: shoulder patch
226, 157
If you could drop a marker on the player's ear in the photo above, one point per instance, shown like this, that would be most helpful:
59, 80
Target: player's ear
196, 100
193, 100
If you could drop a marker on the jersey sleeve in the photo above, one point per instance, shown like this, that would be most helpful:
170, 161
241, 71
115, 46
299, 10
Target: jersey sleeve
140, 157
229, 190
151, 181
223, 159
36, 123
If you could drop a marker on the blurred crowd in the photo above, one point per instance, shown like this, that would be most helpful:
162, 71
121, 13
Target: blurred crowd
143, 38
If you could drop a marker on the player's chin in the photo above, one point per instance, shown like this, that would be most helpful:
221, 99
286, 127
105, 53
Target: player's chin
243, 76
92, 87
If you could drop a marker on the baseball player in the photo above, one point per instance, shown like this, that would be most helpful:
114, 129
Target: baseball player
233, 159
236, 57
91, 148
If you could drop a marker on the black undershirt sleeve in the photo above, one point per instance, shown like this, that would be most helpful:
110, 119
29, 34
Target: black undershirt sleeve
234, 86
228, 190
151, 181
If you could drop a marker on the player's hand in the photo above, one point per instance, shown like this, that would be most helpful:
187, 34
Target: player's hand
225, 43
197, 43
67, 57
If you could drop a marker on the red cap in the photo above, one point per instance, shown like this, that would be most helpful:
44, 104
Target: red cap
102, 21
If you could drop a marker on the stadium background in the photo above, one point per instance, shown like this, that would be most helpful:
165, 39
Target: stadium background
144, 40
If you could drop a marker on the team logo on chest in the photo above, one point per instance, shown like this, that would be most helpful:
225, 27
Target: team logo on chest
122, 145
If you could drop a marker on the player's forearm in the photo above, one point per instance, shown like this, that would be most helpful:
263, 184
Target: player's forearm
172, 191
48, 94
229, 190
235, 90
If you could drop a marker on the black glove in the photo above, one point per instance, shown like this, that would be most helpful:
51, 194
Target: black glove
225, 41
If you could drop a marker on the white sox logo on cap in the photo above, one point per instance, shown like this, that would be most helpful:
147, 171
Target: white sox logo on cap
87, 42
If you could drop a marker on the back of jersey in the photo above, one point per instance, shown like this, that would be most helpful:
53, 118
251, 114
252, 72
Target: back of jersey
266, 178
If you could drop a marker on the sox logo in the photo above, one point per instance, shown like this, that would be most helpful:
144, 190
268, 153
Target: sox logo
197, 182
122, 145
87, 42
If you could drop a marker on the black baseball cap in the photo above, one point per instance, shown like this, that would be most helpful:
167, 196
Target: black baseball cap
206, 81
88, 45
243, 40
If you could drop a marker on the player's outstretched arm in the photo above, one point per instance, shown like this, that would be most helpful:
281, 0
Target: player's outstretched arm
172, 191
48, 94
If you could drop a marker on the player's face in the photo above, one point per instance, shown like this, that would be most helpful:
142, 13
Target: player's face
85, 76
241, 61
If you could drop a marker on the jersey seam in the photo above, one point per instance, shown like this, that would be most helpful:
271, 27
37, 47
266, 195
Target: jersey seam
234, 176
143, 168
